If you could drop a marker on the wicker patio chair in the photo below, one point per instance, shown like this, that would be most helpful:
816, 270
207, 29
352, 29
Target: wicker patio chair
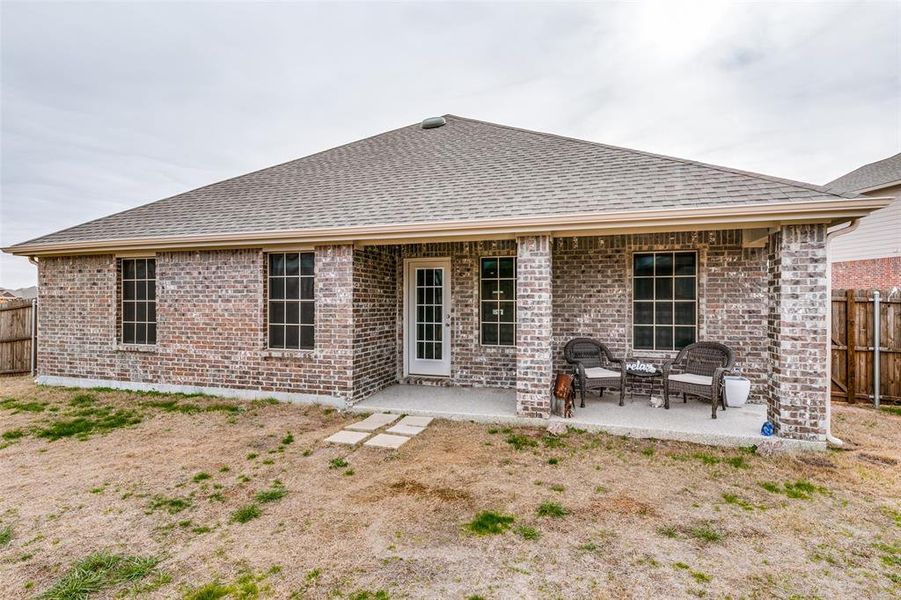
700, 367
594, 367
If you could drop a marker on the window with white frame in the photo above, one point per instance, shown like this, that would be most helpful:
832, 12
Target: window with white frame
497, 276
664, 300
291, 301
138, 312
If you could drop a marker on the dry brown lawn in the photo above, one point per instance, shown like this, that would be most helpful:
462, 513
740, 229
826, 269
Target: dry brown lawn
641, 518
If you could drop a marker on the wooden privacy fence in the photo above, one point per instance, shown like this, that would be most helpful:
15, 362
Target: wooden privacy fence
16, 350
853, 351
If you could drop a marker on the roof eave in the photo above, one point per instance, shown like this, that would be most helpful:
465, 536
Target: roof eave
750, 215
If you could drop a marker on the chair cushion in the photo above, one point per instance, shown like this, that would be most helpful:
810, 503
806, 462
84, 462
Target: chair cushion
692, 378
600, 373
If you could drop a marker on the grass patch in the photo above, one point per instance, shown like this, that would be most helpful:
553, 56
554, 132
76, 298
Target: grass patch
557, 487
551, 509
892, 410
668, 531
705, 533
98, 572
367, 595
6, 535
246, 513
553, 461
735, 500
82, 400
209, 591
288, 439
19, 406
13, 434
170, 505
800, 490
202, 476
553, 442
738, 462
649, 451
89, 421
487, 522
273, 494
699, 576
337, 463
519, 441
528, 533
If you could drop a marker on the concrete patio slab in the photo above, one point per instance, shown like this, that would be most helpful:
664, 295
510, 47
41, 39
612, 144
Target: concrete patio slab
689, 422
351, 438
415, 421
408, 430
373, 422
384, 440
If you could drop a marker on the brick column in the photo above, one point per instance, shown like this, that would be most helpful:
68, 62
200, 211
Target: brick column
534, 336
334, 316
798, 384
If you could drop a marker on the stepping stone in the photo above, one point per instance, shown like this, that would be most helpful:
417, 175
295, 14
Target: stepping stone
415, 421
373, 422
402, 429
384, 440
350, 438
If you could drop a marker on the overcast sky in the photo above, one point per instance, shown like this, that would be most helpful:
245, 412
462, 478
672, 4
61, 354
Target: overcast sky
108, 106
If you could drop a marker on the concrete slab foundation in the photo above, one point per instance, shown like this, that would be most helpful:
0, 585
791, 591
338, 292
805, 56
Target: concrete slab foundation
689, 422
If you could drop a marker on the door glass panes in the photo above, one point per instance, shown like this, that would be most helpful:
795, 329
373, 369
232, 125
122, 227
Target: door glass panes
430, 313
664, 300
498, 300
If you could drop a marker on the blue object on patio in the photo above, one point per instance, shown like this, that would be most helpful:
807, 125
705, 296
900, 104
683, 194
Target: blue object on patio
767, 429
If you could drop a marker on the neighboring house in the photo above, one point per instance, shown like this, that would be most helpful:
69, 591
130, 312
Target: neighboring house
7, 296
462, 254
870, 256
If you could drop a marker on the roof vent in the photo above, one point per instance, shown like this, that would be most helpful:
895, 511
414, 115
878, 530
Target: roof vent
433, 122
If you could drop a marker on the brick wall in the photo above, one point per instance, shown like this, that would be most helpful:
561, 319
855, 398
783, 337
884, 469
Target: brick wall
534, 336
798, 383
593, 296
210, 324
471, 363
876, 273
375, 319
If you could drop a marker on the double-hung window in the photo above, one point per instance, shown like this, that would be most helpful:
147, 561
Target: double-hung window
291, 302
138, 312
497, 276
665, 300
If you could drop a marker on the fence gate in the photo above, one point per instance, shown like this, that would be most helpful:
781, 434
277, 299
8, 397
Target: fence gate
16, 351
853, 335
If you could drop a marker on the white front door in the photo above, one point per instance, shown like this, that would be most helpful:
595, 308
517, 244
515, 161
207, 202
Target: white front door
428, 296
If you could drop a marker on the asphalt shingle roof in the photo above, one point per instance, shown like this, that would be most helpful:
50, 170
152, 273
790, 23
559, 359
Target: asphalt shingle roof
875, 174
465, 170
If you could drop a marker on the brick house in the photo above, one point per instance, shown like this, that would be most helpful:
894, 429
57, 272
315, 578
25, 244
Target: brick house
869, 257
455, 253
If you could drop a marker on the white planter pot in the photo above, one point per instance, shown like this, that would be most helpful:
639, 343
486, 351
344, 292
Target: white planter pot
736, 390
